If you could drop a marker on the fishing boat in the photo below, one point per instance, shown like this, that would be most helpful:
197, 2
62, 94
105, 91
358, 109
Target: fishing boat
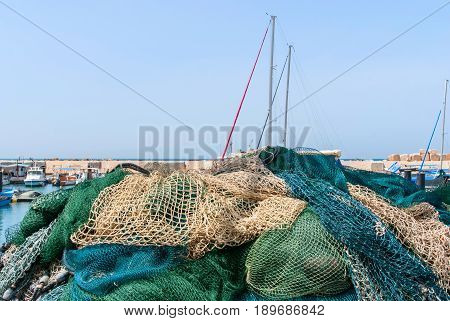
70, 180
8, 192
4, 200
26, 196
35, 177
5, 180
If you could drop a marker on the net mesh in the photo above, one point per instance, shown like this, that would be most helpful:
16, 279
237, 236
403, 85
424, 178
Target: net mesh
398, 273
396, 189
22, 258
75, 213
219, 275
349, 295
55, 294
417, 228
99, 269
237, 231
201, 212
297, 261
42, 212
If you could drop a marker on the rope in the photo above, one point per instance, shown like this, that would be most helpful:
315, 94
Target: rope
245, 93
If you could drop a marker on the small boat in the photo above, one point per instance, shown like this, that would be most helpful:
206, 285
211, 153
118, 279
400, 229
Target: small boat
8, 192
35, 177
4, 200
5, 180
27, 196
70, 180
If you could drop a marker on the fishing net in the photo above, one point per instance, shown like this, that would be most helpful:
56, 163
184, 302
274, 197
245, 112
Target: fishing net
42, 281
200, 211
52, 203
249, 163
366, 287
239, 230
300, 260
422, 211
349, 295
399, 191
76, 213
55, 294
398, 273
42, 212
444, 217
22, 258
99, 269
219, 275
417, 228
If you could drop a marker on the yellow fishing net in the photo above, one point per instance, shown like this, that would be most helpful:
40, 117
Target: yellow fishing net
201, 211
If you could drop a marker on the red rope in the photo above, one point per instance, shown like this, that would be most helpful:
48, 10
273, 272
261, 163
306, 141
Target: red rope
243, 96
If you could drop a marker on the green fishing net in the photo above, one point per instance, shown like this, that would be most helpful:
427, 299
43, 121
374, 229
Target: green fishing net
69, 209
75, 213
300, 260
219, 275
42, 212
349, 295
396, 272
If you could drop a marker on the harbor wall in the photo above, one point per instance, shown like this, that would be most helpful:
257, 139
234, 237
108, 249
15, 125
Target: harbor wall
104, 166
380, 166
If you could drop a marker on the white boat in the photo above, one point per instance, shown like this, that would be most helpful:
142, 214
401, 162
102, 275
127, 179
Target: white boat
35, 177
66, 179
5, 180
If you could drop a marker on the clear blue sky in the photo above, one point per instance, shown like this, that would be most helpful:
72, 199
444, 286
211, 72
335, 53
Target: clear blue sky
193, 58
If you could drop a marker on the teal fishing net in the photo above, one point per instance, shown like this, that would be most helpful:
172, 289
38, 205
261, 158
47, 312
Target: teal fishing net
55, 294
397, 273
219, 275
399, 191
99, 269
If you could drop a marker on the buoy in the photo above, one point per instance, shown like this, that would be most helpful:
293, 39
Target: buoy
44, 280
62, 276
8, 295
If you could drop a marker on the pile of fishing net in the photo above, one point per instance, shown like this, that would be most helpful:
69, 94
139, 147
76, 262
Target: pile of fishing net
278, 224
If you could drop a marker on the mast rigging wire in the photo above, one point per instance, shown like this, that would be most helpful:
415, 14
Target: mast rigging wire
245, 93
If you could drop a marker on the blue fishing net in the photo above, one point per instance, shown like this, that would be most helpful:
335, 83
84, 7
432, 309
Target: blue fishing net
99, 269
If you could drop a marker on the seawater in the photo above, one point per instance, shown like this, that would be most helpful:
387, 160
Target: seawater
13, 213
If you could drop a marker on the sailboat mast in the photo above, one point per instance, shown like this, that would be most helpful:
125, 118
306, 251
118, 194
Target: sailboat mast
287, 97
443, 123
272, 47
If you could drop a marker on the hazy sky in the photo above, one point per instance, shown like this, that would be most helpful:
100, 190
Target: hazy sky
193, 59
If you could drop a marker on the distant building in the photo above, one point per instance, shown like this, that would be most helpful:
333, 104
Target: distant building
15, 170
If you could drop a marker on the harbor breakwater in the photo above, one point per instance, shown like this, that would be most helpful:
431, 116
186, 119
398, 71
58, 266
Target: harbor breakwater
103, 166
